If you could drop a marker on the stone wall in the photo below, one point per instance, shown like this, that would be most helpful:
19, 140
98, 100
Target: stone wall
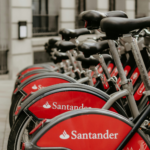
20, 51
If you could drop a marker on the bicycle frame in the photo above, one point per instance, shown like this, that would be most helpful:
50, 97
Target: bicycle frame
125, 83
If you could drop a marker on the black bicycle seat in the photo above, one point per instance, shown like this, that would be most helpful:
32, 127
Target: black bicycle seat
48, 49
65, 46
92, 61
114, 26
51, 44
59, 57
57, 44
93, 18
92, 48
68, 34
87, 62
52, 41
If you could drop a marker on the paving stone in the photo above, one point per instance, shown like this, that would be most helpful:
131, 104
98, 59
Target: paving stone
6, 89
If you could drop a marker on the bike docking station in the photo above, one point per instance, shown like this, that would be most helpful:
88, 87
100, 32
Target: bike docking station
96, 94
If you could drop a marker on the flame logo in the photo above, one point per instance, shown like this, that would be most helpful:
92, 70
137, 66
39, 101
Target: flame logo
47, 105
34, 87
126, 72
109, 69
142, 144
100, 69
135, 75
64, 135
116, 70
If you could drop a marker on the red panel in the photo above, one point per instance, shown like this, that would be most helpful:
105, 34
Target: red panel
41, 83
105, 83
126, 71
110, 67
94, 80
28, 77
135, 76
139, 93
92, 73
100, 69
30, 69
23, 146
57, 103
114, 72
91, 132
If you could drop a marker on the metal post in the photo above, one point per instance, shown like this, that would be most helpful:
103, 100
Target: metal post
71, 59
104, 66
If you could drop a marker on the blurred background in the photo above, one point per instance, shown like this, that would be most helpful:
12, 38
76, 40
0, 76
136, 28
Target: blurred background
26, 25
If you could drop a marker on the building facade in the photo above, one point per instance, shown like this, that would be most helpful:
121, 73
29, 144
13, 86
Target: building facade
43, 20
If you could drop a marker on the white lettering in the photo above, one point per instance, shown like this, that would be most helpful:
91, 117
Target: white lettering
106, 135
58, 106
63, 107
116, 135
75, 107
90, 135
100, 136
67, 107
85, 136
74, 134
111, 135
54, 104
94, 136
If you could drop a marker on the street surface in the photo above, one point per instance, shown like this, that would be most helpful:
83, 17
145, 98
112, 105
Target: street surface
6, 88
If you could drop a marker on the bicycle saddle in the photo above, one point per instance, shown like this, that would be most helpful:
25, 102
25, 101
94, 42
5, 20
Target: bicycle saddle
59, 57
92, 61
52, 41
48, 49
68, 34
93, 18
65, 46
51, 44
92, 48
114, 26
87, 62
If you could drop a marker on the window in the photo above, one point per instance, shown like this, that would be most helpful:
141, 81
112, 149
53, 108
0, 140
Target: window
111, 5
80, 6
45, 17
141, 8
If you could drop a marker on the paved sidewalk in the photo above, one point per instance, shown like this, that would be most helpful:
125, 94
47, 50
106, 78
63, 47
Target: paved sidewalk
6, 88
